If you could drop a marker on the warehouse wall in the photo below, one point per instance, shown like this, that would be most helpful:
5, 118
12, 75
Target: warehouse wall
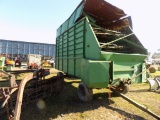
24, 48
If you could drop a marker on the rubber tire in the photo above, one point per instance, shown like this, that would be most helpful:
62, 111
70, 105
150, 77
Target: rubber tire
124, 88
85, 94
60, 74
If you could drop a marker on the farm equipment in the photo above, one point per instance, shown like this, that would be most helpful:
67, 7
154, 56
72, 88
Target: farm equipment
2, 63
45, 63
32, 88
97, 44
48, 63
34, 61
154, 83
10, 62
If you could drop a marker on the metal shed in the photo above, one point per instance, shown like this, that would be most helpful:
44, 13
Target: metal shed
21, 48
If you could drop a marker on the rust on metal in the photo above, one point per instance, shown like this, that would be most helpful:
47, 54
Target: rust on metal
20, 96
12, 79
107, 14
33, 87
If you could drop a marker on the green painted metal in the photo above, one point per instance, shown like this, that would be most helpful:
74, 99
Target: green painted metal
70, 49
71, 20
2, 62
75, 44
95, 74
99, 56
126, 66
121, 57
92, 47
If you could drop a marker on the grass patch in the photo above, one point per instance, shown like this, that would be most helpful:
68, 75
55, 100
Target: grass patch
67, 106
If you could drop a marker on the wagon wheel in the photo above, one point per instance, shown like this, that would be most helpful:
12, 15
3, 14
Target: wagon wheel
85, 94
123, 88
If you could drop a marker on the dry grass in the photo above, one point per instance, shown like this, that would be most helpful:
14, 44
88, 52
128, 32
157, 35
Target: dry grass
67, 106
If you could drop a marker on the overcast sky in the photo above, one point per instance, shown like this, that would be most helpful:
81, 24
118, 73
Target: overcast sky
37, 20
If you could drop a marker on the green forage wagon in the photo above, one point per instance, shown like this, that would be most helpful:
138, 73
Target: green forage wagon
97, 44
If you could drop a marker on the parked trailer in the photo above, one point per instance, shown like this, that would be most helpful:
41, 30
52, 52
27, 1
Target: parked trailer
34, 61
97, 44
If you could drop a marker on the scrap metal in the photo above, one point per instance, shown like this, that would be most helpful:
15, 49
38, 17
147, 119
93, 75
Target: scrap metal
32, 88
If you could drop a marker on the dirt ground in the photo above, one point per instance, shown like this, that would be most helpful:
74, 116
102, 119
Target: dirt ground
67, 106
